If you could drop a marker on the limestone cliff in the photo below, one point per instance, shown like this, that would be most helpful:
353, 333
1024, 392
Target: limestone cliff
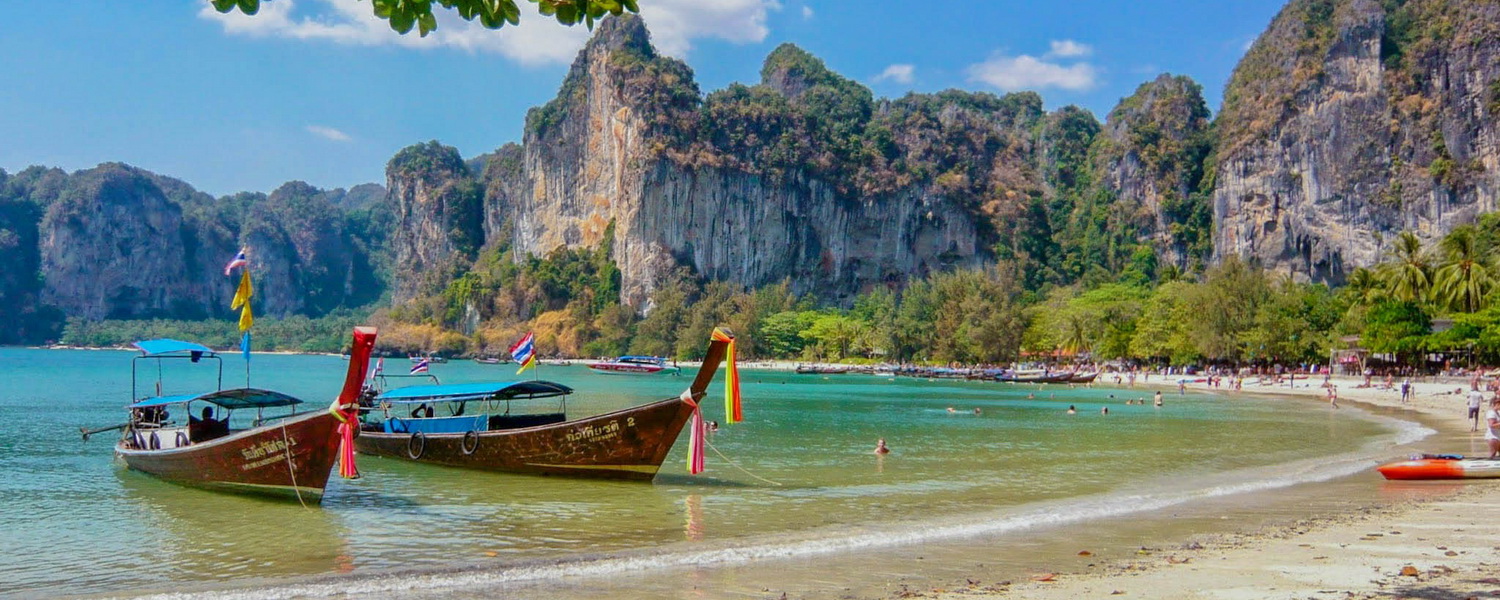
120, 242
112, 246
803, 176
1150, 155
1351, 120
438, 220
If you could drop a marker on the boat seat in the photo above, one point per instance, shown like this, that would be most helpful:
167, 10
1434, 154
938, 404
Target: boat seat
436, 425
520, 421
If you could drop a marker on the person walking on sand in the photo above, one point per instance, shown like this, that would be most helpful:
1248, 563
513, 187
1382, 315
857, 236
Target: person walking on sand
1476, 398
1333, 395
1492, 428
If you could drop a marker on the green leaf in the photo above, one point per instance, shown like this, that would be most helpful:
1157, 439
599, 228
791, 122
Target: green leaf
249, 7
402, 22
426, 23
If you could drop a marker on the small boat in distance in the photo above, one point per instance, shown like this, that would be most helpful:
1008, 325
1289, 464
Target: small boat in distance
635, 365
288, 455
523, 427
434, 359
485, 360
821, 370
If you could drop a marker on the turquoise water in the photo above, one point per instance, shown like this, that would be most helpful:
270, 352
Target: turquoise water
806, 479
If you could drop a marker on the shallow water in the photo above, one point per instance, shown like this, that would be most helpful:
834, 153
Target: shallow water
806, 483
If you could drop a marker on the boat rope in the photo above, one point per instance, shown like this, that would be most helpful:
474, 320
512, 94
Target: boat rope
736, 465
290, 468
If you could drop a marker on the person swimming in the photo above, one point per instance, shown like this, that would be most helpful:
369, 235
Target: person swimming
1030, 396
1072, 410
976, 411
1104, 410
951, 410
880, 447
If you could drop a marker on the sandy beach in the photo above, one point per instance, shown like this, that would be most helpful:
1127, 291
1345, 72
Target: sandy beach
1447, 547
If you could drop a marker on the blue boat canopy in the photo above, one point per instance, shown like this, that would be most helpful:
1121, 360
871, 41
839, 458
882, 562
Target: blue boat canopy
453, 392
166, 347
230, 399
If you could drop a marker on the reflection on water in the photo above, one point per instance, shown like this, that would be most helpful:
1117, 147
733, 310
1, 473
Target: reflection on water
95, 528
194, 535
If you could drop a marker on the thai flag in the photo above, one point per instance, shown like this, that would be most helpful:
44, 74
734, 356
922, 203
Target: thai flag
379, 368
239, 261
524, 351
420, 367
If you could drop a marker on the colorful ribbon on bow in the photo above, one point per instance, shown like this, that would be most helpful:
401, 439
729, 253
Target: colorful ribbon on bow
697, 435
733, 413
345, 408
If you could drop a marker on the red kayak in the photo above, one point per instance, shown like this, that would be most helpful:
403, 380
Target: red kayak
1441, 466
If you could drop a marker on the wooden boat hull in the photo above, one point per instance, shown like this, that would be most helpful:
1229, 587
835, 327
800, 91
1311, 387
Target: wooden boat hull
1082, 377
254, 461
1441, 468
626, 444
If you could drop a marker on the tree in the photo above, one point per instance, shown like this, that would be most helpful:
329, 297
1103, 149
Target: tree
1408, 275
1396, 327
493, 14
1466, 278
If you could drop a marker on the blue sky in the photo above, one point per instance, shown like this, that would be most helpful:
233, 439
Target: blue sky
316, 90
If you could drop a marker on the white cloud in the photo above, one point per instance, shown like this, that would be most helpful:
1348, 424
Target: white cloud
807, 12
538, 40
328, 133
1011, 73
674, 24
1068, 49
901, 74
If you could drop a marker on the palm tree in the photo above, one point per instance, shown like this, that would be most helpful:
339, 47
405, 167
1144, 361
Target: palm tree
1075, 335
1464, 281
1408, 274
1366, 286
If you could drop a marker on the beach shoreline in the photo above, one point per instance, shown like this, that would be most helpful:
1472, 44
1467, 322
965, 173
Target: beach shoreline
1443, 546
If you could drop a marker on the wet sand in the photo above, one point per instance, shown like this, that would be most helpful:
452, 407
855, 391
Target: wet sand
1447, 547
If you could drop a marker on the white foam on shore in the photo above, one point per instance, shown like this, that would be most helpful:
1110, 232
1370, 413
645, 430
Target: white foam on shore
1148, 497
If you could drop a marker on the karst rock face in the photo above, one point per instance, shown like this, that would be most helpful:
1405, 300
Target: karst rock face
1349, 121
438, 220
111, 245
1150, 154
117, 241
624, 143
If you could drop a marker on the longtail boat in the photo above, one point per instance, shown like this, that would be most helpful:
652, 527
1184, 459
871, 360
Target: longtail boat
635, 365
288, 455
478, 426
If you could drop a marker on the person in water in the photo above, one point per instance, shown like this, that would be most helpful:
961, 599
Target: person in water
976, 411
1158, 398
1104, 410
880, 447
1072, 410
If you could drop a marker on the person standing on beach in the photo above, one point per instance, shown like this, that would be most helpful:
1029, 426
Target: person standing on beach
1405, 390
1492, 428
1333, 395
1476, 398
